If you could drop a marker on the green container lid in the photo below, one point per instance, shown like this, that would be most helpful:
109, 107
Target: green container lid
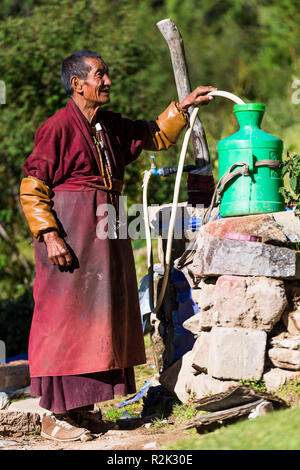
249, 107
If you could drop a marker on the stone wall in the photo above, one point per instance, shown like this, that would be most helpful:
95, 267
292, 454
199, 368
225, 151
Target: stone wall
248, 294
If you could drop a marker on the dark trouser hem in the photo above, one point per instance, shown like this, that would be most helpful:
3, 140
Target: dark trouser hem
61, 394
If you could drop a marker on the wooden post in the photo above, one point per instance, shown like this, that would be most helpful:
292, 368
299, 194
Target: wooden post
174, 40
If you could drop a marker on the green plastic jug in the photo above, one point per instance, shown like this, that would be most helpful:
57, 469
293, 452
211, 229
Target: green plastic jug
257, 191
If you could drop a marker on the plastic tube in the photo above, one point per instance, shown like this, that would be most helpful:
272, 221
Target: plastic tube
147, 176
226, 94
173, 215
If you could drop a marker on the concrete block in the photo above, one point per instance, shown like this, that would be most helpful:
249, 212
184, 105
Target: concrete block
236, 353
14, 374
249, 302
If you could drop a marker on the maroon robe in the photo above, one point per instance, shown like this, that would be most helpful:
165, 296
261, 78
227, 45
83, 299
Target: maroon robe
86, 317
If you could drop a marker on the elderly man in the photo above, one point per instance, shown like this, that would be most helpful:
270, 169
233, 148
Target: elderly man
86, 334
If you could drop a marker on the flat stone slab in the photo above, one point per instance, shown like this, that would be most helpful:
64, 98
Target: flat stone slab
236, 395
217, 256
18, 421
211, 421
236, 353
29, 405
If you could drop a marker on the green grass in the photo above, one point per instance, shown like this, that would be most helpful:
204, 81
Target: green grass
180, 414
112, 414
258, 385
147, 340
279, 430
184, 411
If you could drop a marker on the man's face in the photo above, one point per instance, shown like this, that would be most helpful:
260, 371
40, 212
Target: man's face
96, 86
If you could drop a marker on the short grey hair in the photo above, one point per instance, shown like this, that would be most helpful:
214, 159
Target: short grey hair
75, 64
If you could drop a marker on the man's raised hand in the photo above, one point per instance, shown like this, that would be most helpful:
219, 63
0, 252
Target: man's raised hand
198, 97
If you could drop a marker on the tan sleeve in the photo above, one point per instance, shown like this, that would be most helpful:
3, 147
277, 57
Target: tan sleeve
35, 197
165, 131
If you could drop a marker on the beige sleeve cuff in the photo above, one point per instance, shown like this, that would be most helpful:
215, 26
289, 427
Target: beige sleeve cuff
165, 131
35, 197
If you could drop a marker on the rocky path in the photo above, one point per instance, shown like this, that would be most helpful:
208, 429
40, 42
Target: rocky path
138, 439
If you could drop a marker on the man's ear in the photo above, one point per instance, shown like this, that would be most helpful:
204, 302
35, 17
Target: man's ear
77, 84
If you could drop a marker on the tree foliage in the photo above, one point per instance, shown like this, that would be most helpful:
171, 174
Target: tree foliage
291, 191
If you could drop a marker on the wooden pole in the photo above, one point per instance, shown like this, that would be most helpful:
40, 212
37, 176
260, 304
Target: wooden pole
174, 40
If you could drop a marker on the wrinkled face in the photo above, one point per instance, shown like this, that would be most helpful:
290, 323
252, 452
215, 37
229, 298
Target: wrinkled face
96, 86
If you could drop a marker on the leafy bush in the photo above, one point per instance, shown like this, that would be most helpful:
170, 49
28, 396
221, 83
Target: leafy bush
291, 169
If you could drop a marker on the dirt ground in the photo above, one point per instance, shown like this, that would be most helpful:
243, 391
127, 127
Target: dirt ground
143, 437
111, 439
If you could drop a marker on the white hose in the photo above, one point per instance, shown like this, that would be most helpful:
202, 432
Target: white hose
173, 216
147, 176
